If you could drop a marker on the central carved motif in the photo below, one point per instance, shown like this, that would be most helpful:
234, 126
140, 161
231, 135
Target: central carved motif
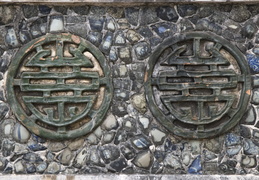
59, 86
198, 85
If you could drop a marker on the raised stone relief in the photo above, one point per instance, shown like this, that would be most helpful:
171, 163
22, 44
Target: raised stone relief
59, 86
197, 84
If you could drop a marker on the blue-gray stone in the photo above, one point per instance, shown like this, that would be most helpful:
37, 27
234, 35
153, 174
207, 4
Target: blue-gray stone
233, 150
122, 83
41, 167
120, 38
256, 50
11, 37
127, 151
250, 148
96, 24
137, 72
186, 10
7, 147
145, 32
30, 168
37, 147
120, 94
44, 9
107, 43
195, 167
39, 27
95, 37
255, 97
119, 164
160, 155
141, 142
232, 139
38, 139
24, 36
148, 16
142, 50
154, 41
253, 61
109, 153
167, 13
3, 110
32, 158
249, 31
132, 15
162, 29
113, 54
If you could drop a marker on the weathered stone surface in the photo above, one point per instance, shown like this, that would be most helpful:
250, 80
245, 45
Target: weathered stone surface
143, 159
107, 42
3, 110
76, 144
30, 11
96, 23
53, 168
82, 10
56, 146
128, 151
142, 50
32, 158
44, 9
141, 142
11, 37
7, 14
109, 153
148, 15
19, 167
186, 10
65, 156
167, 13
125, 54
239, 13
7, 147
132, 15
81, 158
119, 164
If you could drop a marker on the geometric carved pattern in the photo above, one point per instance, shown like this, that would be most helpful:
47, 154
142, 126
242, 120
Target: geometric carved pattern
197, 85
59, 86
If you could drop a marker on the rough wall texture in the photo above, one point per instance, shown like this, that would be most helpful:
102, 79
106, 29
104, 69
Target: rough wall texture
130, 139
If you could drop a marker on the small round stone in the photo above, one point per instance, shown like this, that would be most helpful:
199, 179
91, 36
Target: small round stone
20, 133
142, 50
157, 135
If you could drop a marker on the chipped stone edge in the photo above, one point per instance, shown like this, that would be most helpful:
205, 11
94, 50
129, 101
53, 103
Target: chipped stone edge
128, 177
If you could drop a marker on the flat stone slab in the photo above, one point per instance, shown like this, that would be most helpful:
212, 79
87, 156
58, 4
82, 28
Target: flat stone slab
128, 177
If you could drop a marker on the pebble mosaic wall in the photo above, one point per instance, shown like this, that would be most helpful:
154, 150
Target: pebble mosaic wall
130, 139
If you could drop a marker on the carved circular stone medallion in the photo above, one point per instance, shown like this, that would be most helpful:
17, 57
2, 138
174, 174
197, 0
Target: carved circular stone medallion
197, 85
59, 86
